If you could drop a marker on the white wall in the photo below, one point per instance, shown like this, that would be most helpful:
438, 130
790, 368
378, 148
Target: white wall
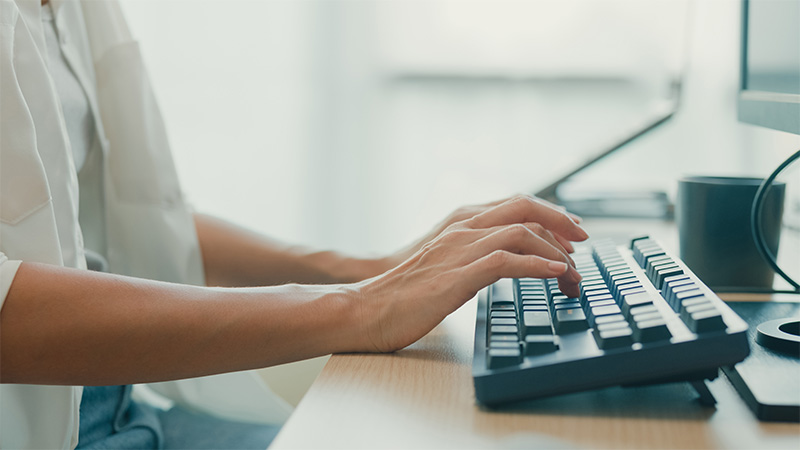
357, 124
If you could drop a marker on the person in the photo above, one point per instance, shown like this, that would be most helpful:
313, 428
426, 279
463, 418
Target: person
86, 173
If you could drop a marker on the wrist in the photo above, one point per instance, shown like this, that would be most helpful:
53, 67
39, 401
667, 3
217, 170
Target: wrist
347, 269
358, 319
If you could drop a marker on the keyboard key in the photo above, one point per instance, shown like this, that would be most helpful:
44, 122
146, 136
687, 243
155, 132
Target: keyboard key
539, 344
632, 284
530, 283
503, 315
503, 338
570, 321
609, 319
503, 357
502, 306
616, 275
590, 285
640, 310
676, 280
652, 263
682, 296
536, 322
621, 278
504, 344
589, 279
628, 291
670, 289
651, 330
648, 254
645, 317
664, 272
503, 290
601, 302
562, 299
694, 301
607, 310
595, 292
503, 321
701, 319
534, 308
598, 298
503, 329
634, 299
613, 335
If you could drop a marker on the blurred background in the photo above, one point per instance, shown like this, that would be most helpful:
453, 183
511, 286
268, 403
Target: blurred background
358, 124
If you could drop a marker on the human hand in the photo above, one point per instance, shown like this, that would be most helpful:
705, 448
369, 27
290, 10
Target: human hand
520, 237
468, 212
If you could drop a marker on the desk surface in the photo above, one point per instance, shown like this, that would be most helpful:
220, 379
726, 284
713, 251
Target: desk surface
423, 397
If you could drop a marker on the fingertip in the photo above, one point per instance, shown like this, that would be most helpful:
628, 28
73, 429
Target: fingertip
568, 288
582, 233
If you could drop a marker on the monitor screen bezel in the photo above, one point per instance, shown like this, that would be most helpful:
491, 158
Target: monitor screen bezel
778, 111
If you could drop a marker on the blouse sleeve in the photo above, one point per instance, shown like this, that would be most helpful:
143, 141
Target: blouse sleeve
8, 269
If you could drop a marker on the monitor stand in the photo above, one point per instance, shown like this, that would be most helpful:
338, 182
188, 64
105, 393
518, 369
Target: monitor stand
769, 379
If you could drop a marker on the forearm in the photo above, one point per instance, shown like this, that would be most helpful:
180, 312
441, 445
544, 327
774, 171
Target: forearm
83, 328
233, 256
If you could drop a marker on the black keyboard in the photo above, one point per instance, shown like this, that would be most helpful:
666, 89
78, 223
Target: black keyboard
642, 317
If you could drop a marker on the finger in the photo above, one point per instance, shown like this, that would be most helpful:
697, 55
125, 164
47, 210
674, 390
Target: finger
502, 264
542, 233
526, 209
576, 218
496, 202
562, 244
569, 287
565, 243
520, 239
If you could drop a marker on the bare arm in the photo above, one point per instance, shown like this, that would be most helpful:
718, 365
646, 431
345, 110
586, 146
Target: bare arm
85, 328
234, 256
66, 326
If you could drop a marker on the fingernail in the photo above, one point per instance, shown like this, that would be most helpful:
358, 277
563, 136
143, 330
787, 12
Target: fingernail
556, 266
576, 218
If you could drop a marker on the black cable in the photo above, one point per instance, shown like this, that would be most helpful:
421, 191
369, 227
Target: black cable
755, 221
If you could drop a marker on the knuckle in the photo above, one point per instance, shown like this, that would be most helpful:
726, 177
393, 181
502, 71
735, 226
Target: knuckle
518, 231
538, 228
521, 198
520, 201
497, 259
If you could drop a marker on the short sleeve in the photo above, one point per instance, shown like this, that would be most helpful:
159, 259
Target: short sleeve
8, 269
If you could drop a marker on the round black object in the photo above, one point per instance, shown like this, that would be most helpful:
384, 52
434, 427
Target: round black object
782, 335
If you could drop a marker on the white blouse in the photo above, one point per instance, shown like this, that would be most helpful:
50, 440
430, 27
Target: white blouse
131, 205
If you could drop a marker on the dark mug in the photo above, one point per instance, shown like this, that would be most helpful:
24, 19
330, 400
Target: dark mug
716, 235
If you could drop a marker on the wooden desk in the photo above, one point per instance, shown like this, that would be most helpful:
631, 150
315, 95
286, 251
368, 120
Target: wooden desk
423, 397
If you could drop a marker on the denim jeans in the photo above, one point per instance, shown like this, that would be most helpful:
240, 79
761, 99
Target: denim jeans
109, 419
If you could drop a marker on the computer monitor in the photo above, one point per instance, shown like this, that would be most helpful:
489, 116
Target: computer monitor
769, 93
769, 96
